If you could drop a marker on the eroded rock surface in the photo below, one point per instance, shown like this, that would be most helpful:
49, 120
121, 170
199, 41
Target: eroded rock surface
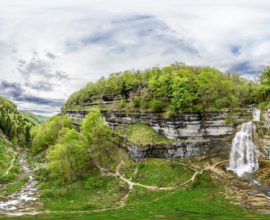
192, 134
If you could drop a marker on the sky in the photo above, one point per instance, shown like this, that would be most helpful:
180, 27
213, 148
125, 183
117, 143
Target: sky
49, 49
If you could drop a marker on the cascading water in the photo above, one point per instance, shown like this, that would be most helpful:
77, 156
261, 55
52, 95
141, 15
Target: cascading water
256, 114
25, 199
244, 152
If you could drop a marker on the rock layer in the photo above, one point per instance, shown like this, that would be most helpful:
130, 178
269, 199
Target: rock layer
192, 134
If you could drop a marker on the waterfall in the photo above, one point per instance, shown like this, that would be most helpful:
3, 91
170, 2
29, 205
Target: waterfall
256, 114
244, 153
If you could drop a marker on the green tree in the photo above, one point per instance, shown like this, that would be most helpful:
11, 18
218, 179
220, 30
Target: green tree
184, 91
100, 141
265, 83
66, 159
46, 134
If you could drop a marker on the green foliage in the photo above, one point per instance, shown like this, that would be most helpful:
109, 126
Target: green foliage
46, 134
72, 155
13, 123
156, 106
35, 119
8, 161
160, 172
90, 193
265, 84
177, 88
184, 92
13, 187
136, 102
205, 200
66, 158
144, 134
100, 142
5, 156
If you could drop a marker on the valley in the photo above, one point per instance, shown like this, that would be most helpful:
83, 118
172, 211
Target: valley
136, 146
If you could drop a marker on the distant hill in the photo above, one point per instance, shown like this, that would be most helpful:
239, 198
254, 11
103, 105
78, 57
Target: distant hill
36, 119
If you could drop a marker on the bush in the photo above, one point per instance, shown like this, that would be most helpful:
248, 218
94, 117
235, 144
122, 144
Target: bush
136, 101
156, 106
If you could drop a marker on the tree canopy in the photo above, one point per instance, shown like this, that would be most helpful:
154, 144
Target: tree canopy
177, 88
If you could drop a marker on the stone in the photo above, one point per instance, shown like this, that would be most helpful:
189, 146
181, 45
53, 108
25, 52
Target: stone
193, 134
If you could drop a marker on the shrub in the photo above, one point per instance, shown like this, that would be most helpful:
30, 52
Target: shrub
156, 106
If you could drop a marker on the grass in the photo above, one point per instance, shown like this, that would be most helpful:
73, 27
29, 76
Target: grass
94, 192
6, 156
159, 172
143, 134
13, 187
13, 173
205, 200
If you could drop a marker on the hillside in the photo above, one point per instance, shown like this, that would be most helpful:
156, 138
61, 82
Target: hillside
8, 161
35, 119
111, 157
13, 123
172, 89
15, 129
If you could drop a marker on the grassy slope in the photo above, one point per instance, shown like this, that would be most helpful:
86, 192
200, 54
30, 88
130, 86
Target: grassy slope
6, 156
144, 134
204, 199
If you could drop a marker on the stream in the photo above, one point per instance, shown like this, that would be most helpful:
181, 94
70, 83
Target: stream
24, 200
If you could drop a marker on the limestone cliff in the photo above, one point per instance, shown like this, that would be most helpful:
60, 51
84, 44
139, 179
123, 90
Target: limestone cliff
263, 134
192, 134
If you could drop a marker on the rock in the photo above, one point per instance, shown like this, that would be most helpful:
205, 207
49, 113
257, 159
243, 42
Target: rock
194, 134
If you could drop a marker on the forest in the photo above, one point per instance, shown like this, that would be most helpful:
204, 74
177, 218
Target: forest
174, 89
14, 124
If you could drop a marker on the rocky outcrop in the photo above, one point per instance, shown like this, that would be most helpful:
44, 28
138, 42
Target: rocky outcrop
191, 134
263, 134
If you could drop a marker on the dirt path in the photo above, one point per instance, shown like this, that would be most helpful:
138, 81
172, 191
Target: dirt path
131, 183
11, 164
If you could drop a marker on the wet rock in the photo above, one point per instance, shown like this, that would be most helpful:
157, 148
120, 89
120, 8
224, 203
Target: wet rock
24, 199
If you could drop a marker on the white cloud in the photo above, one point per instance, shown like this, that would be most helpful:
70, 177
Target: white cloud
52, 48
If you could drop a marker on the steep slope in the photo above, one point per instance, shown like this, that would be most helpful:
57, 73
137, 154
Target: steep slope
13, 123
8, 161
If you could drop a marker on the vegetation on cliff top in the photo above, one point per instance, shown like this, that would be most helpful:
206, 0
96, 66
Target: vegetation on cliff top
175, 89
265, 88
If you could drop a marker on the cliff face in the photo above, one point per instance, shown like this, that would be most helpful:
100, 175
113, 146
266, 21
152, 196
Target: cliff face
191, 134
263, 134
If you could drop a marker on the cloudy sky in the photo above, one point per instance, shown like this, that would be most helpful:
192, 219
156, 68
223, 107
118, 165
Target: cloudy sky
49, 49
